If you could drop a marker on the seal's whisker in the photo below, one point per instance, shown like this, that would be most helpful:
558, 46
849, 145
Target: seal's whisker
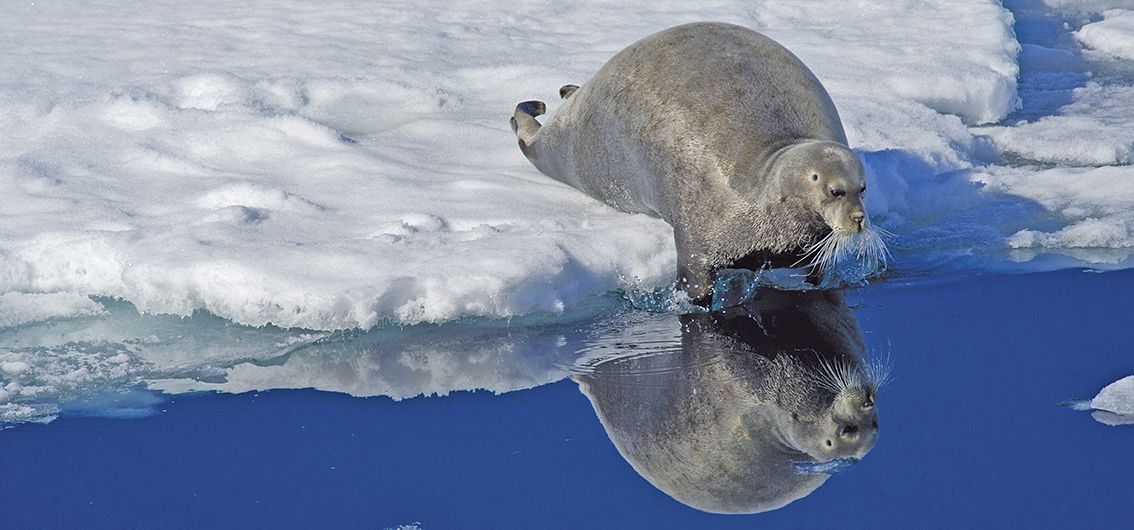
841, 375
811, 249
828, 253
877, 370
828, 376
880, 231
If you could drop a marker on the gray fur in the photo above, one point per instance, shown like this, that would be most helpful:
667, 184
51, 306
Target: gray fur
717, 129
718, 423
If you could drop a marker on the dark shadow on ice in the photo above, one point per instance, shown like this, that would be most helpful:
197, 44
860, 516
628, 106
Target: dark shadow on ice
740, 411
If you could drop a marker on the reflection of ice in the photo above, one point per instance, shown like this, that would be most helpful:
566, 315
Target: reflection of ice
98, 360
1114, 405
115, 361
405, 362
831, 467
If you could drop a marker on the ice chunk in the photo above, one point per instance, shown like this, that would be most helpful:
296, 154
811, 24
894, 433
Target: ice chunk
21, 308
1113, 35
734, 287
1088, 5
1096, 204
1114, 404
1096, 128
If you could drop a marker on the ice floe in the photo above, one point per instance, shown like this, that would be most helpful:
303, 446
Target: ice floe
335, 166
1113, 35
1114, 404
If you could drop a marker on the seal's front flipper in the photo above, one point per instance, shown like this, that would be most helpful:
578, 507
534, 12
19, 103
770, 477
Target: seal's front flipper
566, 90
524, 123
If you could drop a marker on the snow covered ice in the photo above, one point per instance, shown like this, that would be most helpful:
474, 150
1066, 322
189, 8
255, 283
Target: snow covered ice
331, 166
1113, 35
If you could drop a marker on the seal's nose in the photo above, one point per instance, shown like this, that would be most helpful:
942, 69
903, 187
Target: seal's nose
858, 217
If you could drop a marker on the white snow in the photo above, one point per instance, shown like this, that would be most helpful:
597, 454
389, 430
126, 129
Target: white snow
1096, 204
1083, 5
20, 308
334, 166
1102, 114
1114, 404
1113, 35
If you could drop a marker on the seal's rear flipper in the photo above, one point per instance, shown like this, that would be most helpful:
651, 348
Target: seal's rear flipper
566, 90
523, 121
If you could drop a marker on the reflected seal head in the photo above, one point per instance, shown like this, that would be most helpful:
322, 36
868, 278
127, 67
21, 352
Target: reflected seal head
723, 133
724, 422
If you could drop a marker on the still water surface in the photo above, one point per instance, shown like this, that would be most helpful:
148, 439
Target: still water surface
970, 431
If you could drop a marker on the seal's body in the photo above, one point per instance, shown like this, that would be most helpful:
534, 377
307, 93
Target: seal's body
718, 130
723, 420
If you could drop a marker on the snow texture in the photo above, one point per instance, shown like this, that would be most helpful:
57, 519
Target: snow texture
1102, 114
1114, 35
333, 167
1095, 204
22, 308
1114, 404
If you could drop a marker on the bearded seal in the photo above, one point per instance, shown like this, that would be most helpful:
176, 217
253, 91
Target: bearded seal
724, 134
752, 409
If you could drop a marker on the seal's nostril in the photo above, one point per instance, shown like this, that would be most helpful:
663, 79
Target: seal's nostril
848, 430
858, 217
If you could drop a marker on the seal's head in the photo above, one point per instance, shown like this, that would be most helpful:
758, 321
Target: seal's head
847, 428
833, 415
831, 180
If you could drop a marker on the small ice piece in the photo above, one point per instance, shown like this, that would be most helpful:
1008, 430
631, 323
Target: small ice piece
851, 272
830, 467
734, 287
1114, 405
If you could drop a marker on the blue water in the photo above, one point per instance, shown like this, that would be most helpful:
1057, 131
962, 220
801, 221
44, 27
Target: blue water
971, 436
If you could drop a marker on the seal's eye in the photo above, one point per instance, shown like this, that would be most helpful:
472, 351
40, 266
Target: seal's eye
814, 177
862, 189
838, 192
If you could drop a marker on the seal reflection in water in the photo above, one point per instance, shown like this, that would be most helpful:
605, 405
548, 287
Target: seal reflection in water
735, 419
728, 137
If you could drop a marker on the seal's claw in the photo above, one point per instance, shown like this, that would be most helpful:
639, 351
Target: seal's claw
566, 90
532, 108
